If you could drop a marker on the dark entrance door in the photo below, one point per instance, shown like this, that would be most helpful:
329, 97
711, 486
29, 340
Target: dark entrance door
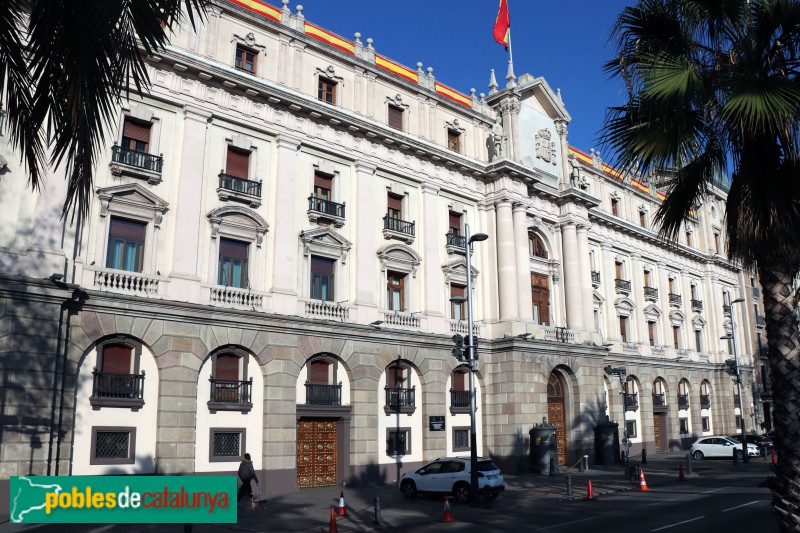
660, 431
556, 413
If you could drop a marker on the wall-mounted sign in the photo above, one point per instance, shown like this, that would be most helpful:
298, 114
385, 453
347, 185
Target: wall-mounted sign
436, 423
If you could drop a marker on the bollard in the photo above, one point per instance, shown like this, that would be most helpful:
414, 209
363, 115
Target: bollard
735, 457
644, 456
585, 463
377, 519
569, 484
621, 457
689, 464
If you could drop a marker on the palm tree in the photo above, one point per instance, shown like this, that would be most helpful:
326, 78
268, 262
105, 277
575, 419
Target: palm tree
713, 90
64, 65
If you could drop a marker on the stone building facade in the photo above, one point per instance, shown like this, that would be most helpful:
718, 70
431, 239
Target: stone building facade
267, 265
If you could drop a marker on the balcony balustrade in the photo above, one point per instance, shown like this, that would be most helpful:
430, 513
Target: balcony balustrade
398, 225
705, 401
726, 309
134, 158
455, 240
675, 299
327, 207
230, 395
459, 401
595, 277
239, 185
326, 310
622, 285
125, 281
683, 401
761, 321
756, 292
697, 305
659, 400
400, 400
651, 293
631, 402
117, 390
323, 394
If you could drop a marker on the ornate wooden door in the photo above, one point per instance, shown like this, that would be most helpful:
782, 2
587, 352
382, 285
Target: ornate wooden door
556, 414
316, 453
660, 431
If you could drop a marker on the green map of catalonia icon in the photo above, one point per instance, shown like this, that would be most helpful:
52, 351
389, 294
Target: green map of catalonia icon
28, 498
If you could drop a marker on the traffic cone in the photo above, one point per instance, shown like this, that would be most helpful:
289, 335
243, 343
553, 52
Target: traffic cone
774, 457
448, 516
342, 508
680, 473
589, 492
642, 482
332, 528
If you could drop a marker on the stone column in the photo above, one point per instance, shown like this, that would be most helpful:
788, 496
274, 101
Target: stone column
663, 296
561, 130
688, 328
572, 282
523, 265
212, 31
585, 277
506, 262
489, 278
367, 216
637, 295
433, 237
284, 58
188, 214
607, 276
285, 256
510, 110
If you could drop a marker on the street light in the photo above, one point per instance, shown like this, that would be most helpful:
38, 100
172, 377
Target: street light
471, 358
732, 337
620, 372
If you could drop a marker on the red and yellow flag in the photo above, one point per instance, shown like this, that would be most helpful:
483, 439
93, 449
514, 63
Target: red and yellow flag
502, 24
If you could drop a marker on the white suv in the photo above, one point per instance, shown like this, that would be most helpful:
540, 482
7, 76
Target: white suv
451, 475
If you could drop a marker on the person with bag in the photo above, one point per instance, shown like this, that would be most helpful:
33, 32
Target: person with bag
247, 474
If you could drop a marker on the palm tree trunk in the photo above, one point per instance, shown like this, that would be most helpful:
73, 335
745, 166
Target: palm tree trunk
777, 281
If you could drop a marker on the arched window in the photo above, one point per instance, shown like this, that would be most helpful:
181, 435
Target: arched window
400, 394
536, 246
230, 388
321, 383
459, 390
116, 378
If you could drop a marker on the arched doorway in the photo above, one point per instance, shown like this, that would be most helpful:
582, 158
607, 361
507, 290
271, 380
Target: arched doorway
556, 413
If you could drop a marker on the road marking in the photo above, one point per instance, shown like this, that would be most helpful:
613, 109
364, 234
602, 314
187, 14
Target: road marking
713, 490
679, 523
565, 523
743, 505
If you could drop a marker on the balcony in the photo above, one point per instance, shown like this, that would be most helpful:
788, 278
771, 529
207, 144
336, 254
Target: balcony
141, 165
394, 228
400, 400
650, 293
622, 285
230, 395
323, 394
726, 310
595, 278
683, 401
761, 321
455, 243
236, 298
756, 292
459, 401
763, 352
117, 390
675, 300
403, 320
326, 310
697, 305
659, 400
736, 403
705, 401
460, 327
631, 402
558, 334
325, 211
239, 189
126, 282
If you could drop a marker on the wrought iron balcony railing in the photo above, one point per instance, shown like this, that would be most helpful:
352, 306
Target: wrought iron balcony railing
459, 241
705, 401
231, 391
117, 390
675, 299
651, 293
761, 321
323, 394
327, 207
595, 277
631, 402
240, 185
622, 285
133, 158
459, 401
659, 400
400, 400
756, 292
726, 309
697, 305
683, 401
400, 226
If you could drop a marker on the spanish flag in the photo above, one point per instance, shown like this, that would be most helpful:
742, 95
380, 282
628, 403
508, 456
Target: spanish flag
502, 24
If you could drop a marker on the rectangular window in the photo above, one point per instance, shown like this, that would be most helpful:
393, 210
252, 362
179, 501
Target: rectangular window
647, 279
319, 372
716, 242
698, 340
323, 185
642, 219
738, 422
398, 441
125, 245
684, 425
454, 141
688, 238
394, 211
395, 291
113, 446
618, 269
322, 278
630, 427
651, 332
326, 90
540, 298
457, 311
396, 117
459, 381
615, 207
245, 59
116, 359
232, 264
623, 328
671, 283
226, 445
455, 223
693, 291
136, 135
238, 163
706, 424
461, 439
676, 335
397, 377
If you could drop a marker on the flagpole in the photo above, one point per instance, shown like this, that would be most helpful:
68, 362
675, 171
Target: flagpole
510, 56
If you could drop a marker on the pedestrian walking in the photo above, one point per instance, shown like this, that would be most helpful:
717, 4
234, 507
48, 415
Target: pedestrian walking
247, 474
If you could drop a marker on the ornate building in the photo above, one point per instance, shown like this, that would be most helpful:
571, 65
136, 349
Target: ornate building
270, 255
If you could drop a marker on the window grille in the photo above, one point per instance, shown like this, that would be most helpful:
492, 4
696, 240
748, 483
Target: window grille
227, 444
112, 444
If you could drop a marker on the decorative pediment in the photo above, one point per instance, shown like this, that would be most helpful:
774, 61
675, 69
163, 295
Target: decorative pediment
676, 317
698, 322
330, 73
132, 198
399, 257
624, 305
652, 311
397, 101
456, 270
455, 125
238, 222
326, 242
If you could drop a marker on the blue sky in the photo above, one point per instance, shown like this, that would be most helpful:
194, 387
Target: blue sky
566, 41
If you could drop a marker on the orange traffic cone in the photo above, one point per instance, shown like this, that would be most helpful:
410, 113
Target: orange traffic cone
774, 457
589, 492
642, 482
342, 508
448, 516
332, 528
681, 477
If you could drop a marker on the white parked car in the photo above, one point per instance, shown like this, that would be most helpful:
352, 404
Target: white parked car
451, 475
720, 446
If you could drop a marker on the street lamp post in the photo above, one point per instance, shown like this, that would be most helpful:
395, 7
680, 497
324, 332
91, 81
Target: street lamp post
472, 356
620, 372
732, 337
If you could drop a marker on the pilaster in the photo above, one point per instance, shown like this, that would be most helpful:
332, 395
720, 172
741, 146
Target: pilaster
523, 268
